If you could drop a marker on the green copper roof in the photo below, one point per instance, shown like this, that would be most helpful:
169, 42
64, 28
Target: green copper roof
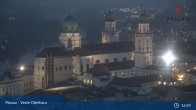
70, 25
144, 18
109, 17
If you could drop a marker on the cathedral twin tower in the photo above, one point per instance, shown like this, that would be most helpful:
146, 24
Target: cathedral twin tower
110, 33
143, 43
71, 37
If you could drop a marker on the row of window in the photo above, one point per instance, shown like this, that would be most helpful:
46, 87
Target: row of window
144, 27
115, 60
27, 84
16, 89
61, 68
88, 81
147, 41
110, 29
3, 89
143, 48
58, 68
144, 31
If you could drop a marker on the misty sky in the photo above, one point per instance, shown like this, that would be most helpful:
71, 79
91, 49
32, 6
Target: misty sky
38, 22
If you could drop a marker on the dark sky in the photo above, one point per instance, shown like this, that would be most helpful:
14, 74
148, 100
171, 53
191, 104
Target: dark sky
38, 22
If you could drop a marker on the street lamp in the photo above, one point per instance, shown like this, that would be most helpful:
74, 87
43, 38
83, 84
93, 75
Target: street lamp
168, 58
22, 68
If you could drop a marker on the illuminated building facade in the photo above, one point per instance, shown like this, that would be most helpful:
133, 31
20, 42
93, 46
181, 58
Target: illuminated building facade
75, 60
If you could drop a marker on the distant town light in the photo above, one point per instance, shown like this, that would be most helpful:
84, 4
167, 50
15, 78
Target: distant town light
164, 83
22, 68
168, 57
180, 77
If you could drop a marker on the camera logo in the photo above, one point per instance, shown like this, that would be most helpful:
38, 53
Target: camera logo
176, 105
178, 10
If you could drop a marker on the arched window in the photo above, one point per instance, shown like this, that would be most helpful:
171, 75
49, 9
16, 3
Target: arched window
115, 59
147, 48
43, 68
60, 68
69, 43
124, 59
97, 61
65, 67
139, 48
106, 61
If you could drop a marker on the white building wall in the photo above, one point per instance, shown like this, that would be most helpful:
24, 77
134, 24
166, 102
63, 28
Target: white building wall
143, 28
143, 50
28, 84
17, 86
62, 69
110, 26
108, 37
110, 34
39, 72
74, 37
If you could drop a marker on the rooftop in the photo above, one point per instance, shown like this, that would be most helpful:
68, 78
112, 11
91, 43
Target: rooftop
99, 71
144, 18
86, 50
117, 65
70, 24
154, 67
109, 17
164, 90
135, 81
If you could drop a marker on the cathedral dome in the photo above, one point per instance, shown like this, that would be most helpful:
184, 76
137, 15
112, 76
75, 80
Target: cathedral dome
109, 17
144, 18
70, 25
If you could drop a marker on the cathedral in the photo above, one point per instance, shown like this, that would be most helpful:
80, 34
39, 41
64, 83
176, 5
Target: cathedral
74, 59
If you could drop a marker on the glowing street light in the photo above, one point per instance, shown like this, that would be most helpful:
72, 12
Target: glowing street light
22, 68
168, 57
180, 77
